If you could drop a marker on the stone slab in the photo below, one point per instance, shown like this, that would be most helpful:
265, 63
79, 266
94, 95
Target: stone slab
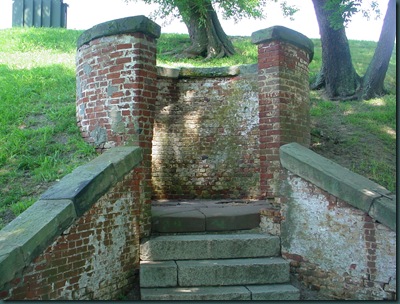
11, 262
175, 220
84, 185
31, 232
353, 188
233, 272
158, 274
232, 218
128, 25
384, 211
227, 293
209, 246
87, 183
124, 159
284, 34
274, 292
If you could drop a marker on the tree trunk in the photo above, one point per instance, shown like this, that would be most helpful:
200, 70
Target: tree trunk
338, 75
207, 37
373, 81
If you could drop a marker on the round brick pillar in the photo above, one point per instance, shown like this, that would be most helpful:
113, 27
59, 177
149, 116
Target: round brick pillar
116, 77
117, 82
284, 110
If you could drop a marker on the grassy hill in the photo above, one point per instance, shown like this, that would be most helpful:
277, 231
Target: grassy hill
40, 143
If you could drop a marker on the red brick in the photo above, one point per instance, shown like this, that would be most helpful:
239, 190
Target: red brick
124, 46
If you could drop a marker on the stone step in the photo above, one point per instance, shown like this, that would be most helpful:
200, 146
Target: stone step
228, 293
223, 272
205, 216
209, 246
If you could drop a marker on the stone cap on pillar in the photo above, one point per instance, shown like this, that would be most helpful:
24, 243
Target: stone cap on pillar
126, 25
284, 34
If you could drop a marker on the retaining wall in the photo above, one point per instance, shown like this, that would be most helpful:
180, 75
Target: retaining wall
337, 228
81, 239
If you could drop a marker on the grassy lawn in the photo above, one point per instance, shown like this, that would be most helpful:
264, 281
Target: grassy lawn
40, 143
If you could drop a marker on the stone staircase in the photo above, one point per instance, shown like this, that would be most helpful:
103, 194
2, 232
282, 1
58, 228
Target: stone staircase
216, 262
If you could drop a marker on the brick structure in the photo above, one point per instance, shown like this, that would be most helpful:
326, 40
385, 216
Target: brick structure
117, 87
338, 228
283, 58
210, 142
222, 134
206, 136
80, 241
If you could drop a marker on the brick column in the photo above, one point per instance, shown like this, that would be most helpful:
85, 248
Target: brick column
283, 58
117, 89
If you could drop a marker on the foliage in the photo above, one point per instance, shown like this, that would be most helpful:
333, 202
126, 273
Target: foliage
39, 140
341, 11
231, 9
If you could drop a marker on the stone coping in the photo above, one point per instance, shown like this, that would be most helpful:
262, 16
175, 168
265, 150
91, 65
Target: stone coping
348, 186
126, 25
198, 72
284, 34
37, 227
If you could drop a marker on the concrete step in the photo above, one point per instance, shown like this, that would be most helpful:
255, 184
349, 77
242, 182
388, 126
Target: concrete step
205, 216
209, 246
222, 272
228, 293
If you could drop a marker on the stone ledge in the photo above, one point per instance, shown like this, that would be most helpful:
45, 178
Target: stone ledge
284, 34
30, 233
37, 227
198, 72
89, 182
127, 25
384, 211
348, 186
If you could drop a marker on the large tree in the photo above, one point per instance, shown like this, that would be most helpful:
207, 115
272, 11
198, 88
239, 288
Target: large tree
373, 80
337, 74
208, 39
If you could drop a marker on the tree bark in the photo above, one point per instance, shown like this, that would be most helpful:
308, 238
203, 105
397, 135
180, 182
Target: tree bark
207, 37
373, 80
337, 75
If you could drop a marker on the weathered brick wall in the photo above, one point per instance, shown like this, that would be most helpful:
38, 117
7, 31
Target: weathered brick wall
215, 136
95, 258
337, 228
338, 249
206, 138
89, 247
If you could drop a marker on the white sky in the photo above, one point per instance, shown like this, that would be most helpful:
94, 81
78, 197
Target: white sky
83, 14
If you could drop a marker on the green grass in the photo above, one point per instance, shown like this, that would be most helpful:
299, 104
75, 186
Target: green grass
40, 143
39, 140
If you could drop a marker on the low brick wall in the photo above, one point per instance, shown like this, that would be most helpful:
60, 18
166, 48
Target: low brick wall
206, 134
81, 239
337, 228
